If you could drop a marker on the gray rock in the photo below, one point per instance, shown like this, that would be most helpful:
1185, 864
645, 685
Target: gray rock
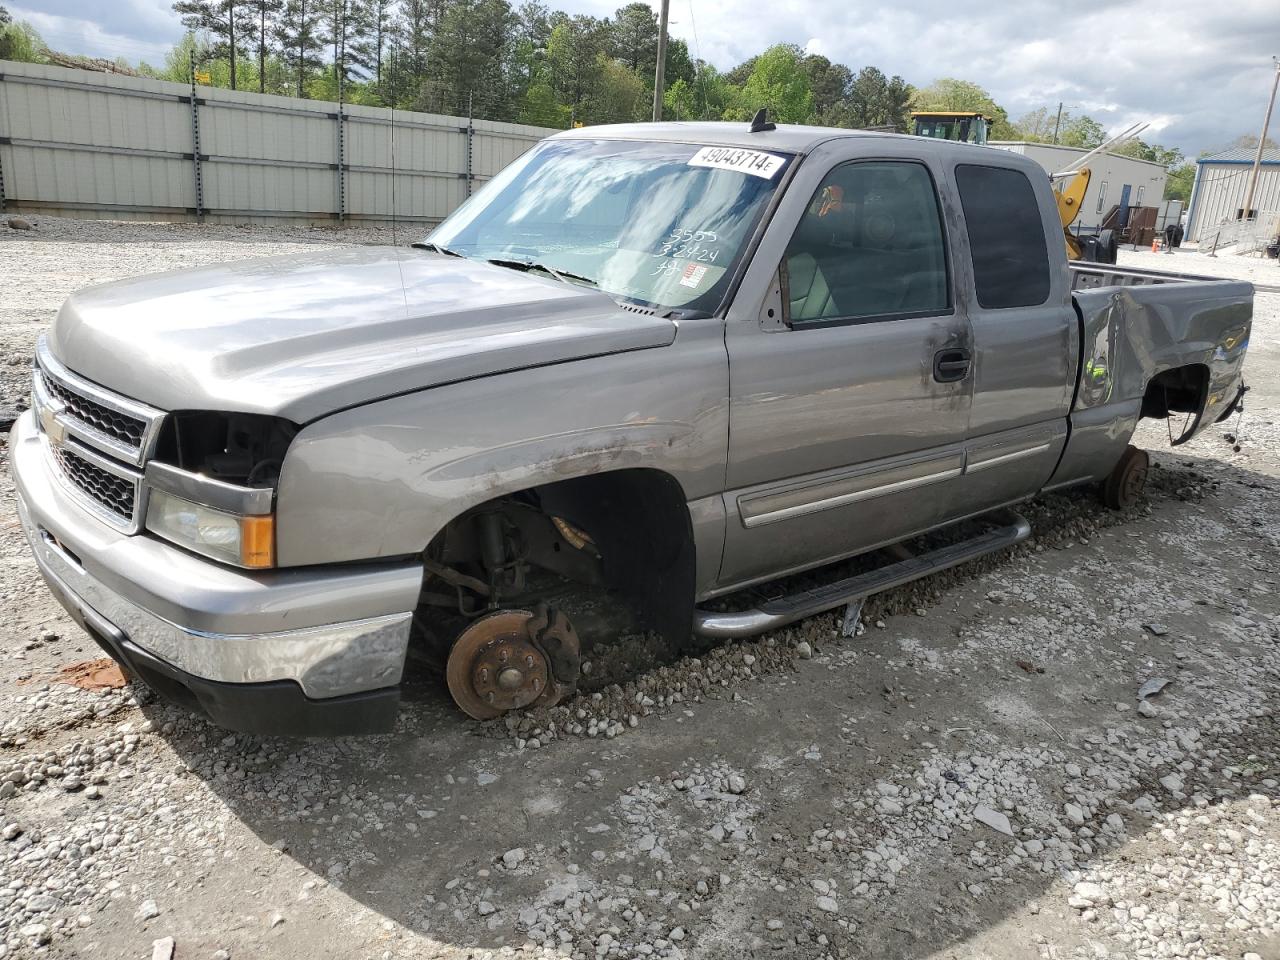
162, 949
38, 933
803, 650
147, 910
42, 903
485, 908
828, 905
17, 223
1092, 892
995, 820
1074, 813
513, 858
1151, 687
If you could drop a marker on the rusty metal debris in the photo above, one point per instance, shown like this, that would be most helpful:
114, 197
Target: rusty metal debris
101, 674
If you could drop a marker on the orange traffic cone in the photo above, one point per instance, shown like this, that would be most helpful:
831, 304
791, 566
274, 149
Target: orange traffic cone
1155, 244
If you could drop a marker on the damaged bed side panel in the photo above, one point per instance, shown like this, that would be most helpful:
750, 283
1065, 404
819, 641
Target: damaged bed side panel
1129, 336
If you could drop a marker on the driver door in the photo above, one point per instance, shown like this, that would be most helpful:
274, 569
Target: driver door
848, 412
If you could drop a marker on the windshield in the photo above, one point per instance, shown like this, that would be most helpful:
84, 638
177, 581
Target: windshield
662, 224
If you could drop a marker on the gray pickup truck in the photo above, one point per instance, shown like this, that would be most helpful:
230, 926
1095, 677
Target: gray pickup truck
668, 363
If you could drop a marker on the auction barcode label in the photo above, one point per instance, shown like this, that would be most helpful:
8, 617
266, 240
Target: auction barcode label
754, 162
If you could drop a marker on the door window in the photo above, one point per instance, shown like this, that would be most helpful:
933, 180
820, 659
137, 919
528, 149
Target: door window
1006, 236
869, 246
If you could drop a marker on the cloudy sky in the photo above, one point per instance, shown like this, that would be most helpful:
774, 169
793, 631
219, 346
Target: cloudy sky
1199, 71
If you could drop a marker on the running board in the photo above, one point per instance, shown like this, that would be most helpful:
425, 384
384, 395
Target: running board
807, 603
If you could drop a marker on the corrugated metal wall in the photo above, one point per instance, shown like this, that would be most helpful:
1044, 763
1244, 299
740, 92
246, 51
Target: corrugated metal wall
78, 143
1219, 194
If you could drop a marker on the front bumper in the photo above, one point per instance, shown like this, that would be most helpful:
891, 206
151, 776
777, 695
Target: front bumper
304, 651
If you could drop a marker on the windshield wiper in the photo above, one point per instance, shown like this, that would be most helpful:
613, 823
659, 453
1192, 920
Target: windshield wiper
435, 248
564, 276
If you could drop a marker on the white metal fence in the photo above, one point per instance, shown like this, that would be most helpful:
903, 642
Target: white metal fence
78, 143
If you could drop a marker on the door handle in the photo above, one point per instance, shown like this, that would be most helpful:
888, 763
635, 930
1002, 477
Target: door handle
951, 365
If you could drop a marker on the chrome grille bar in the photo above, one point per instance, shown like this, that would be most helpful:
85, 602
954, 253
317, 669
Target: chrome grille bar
114, 425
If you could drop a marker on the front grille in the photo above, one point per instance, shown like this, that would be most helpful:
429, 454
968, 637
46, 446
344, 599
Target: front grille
119, 426
116, 494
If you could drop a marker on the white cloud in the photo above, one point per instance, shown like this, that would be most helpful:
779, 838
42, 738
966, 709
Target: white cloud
1198, 72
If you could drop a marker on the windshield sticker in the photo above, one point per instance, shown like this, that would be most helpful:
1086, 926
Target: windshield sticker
758, 164
693, 274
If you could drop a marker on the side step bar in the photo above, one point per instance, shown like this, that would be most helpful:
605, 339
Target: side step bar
807, 603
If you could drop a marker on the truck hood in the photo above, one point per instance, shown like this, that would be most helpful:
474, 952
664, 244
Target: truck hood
303, 336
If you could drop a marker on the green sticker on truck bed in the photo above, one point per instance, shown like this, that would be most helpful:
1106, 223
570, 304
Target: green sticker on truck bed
754, 162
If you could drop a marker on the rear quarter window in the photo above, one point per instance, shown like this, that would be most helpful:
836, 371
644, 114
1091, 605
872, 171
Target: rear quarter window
1006, 236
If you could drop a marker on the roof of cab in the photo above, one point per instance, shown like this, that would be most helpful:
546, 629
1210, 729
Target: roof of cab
792, 138
789, 138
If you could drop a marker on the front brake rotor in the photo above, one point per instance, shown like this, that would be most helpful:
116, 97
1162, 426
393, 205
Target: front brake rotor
512, 659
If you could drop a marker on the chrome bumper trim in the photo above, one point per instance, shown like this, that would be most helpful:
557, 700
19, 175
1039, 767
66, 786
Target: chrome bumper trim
348, 626
326, 661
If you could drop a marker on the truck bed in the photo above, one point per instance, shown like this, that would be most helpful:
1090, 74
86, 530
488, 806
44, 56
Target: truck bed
1085, 276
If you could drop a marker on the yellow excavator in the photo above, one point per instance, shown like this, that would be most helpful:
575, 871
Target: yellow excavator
1070, 197
962, 126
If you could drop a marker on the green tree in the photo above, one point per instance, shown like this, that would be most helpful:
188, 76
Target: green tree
573, 59
737, 76
262, 25
633, 37
466, 60
19, 40
1181, 179
298, 31
778, 82
539, 107
1140, 150
707, 97
415, 31
620, 96
220, 19
830, 84
1081, 131
374, 39
875, 100
679, 65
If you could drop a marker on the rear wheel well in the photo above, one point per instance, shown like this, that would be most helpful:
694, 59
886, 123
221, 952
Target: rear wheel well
1179, 390
626, 530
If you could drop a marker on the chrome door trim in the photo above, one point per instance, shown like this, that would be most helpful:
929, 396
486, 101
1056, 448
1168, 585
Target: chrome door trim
975, 466
796, 500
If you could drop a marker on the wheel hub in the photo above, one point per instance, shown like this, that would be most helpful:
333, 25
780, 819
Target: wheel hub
510, 660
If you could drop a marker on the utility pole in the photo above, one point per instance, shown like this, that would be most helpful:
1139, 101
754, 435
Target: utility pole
1262, 143
1057, 124
658, 85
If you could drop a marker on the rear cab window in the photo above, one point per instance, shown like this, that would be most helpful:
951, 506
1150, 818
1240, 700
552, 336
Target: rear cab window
1006, 236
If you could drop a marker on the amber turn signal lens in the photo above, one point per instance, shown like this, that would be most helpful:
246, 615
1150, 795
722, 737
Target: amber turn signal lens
258, 541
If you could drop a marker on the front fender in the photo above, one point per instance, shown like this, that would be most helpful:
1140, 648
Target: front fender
382, 479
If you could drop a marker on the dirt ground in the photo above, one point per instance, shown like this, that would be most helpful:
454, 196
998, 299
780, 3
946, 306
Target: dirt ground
972, 776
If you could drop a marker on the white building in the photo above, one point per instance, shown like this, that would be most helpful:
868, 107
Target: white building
1115, 180
1217, 199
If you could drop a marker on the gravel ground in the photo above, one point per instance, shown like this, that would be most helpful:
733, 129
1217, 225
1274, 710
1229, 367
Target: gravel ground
972, 775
